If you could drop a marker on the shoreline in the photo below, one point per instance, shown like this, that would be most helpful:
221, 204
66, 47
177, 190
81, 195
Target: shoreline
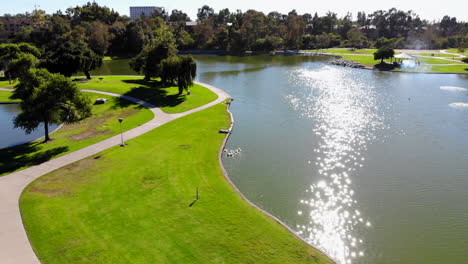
18, 249
226, 176
371, 68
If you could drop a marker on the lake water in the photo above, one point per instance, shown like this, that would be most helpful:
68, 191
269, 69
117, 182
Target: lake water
371, 167
13, 136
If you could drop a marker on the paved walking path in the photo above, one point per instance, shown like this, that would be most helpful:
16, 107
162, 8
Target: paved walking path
14, 244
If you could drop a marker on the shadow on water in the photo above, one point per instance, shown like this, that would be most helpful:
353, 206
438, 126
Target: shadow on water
20, 156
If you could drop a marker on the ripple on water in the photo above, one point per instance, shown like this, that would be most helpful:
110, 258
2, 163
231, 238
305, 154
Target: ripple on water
459, 105
347, 116
454, 88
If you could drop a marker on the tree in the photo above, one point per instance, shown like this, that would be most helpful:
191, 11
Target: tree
89, 61
384, 53
48, 98
160, 12
99, 37
21, 65
183, 69
178, 16
68, 57
204, 13
148, 62
15, 58
355, 37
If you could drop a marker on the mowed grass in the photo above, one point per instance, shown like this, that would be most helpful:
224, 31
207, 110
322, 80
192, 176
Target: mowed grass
367, 60
5, 96
459, 52
137, 205
449, 68
70, 137
434, 60
167, 98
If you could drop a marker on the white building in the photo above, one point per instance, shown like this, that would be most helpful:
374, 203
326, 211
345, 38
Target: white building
137, 11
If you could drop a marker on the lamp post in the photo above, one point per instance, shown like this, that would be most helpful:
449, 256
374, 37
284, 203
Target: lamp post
122, 144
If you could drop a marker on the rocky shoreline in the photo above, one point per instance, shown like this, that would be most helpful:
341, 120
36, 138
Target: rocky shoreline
347, 63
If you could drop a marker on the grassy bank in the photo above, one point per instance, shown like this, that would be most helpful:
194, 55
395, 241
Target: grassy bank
4, 83
167, 98
101, 125
5, 96
137, 205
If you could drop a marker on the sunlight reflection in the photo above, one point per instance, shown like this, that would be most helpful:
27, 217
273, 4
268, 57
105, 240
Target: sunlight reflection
347, 118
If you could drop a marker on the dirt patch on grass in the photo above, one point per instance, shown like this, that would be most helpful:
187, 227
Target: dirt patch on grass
66, 180
91, 124
89, 134
49, 192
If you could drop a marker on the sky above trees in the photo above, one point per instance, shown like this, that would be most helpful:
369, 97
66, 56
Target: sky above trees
426, 9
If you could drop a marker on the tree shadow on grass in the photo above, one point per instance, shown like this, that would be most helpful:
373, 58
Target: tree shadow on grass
26, 155
153, 92
119, 103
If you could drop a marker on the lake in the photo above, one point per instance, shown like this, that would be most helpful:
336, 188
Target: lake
14, 136
371, 167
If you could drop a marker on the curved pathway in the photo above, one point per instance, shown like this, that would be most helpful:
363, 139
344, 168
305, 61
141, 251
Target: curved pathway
14, 244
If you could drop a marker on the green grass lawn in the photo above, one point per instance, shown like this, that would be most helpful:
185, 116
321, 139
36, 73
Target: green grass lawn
136, 205
365, 60
457, 51
434, 60
450, 68
5, 96
103, 124
435, 55
166, 98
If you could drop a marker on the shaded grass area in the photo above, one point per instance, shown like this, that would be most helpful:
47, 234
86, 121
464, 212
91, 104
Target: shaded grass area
132, 205
167, 98
101, 125
5, 96
113, 66
4, 83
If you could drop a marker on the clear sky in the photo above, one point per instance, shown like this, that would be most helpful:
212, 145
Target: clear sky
431, 10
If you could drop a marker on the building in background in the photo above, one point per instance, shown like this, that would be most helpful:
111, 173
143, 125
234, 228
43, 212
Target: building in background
137, 11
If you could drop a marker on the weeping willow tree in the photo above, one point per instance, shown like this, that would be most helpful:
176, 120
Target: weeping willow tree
180, 69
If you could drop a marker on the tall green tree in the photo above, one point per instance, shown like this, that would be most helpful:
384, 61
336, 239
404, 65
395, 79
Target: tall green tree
384, 53
182, 69
48, 98
148, 61
67, 56
15, 58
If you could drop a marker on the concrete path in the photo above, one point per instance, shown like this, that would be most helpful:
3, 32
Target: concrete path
14, 244
455, 54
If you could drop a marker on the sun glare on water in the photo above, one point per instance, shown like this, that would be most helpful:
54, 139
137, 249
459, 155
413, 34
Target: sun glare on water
347, 118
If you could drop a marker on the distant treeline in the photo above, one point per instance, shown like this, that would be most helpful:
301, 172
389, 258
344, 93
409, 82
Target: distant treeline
106, 32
